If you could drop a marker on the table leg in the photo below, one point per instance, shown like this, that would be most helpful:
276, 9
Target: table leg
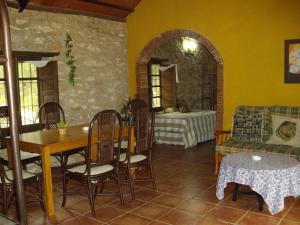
49, 203
235, 192
260, 202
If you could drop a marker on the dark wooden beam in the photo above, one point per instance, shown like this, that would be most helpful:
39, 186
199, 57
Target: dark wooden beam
109, 5
52, 9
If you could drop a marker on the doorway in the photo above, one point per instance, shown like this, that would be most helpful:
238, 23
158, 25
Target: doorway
214, 100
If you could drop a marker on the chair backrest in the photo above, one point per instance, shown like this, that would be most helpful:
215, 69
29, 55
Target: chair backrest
4, 123
142, 120
50, 113
135, 103
131, 105
2, 173
104, 130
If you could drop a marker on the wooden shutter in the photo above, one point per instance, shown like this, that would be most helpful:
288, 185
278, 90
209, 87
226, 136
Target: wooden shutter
48, 89
168, 84
48, 83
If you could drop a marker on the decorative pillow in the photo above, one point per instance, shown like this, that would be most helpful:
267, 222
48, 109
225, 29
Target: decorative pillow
286, 131
170, 110
182, 106
266, 118
247, 127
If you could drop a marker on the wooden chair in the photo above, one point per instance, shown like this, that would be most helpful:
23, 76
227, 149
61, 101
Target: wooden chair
131, 106
51, 113
142, 120
26, 157
7, 186
96, 170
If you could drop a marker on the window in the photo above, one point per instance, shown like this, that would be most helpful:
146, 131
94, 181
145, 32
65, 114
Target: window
28, 93
35, 87
2, 87
155, 85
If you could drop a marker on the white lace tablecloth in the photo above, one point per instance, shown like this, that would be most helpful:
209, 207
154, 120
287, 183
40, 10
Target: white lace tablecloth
274, 177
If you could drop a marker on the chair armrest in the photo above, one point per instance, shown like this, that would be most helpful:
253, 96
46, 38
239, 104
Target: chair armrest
222, 136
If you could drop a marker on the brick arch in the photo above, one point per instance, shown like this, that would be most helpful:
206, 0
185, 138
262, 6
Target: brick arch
147, 52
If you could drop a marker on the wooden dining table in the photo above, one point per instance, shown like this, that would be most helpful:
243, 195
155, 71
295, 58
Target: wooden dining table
47, 142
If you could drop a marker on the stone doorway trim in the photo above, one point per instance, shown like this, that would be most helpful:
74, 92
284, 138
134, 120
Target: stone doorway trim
142, 87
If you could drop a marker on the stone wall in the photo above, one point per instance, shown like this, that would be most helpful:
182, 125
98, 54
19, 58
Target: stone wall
197, 75
100, 52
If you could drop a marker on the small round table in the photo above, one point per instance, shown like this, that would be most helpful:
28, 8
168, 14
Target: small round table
274, 177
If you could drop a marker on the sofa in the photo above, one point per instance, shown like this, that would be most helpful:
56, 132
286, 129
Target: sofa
226, 144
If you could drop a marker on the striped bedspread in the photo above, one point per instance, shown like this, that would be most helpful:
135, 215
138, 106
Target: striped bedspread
186, 129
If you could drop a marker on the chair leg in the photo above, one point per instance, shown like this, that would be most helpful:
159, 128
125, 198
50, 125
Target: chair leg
64, 182
130, 182
217, 163
39, 180
9, 198
4, 201
91, 197
152, 175
102, 186
96, 190
117, 177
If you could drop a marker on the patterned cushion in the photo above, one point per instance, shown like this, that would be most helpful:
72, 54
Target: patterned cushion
266, 119
231, 146
286, 131
247, 127
291, 111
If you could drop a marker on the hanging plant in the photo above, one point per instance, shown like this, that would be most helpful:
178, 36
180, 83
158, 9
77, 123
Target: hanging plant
70, 59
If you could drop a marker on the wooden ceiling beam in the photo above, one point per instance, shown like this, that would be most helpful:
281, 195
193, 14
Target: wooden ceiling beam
109, 5
109, 9
54, 9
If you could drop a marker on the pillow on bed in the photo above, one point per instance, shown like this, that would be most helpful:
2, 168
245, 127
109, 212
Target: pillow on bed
247, 127
170, 110
182, 106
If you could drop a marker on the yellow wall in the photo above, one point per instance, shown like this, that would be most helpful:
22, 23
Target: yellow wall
248, 34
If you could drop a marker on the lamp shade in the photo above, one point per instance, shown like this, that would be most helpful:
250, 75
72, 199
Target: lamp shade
189, 46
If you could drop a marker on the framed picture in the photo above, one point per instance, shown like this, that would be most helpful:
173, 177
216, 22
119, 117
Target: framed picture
292, 61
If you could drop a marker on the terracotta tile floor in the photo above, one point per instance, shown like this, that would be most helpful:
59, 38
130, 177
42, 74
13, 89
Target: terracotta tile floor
185, 195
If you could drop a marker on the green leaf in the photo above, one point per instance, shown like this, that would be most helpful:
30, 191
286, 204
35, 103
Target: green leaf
70, 59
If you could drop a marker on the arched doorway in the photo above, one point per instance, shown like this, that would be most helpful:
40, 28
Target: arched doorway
147, 52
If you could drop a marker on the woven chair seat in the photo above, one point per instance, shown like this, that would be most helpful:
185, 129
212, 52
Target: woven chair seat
10, 176
133, 159
24, 155
94, 170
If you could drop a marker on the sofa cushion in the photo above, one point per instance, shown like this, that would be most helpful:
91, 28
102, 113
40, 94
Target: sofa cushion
231, 146
266, 119
286, 131
291, 111
247, 127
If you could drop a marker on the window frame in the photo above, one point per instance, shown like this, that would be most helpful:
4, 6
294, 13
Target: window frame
21, 56
155, 61
34, 126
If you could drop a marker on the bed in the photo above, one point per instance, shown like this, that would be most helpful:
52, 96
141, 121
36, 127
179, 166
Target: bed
187, 129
